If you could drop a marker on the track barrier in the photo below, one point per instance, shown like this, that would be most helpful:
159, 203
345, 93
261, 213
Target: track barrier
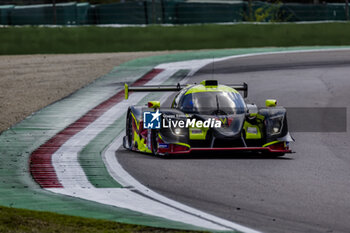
168, 12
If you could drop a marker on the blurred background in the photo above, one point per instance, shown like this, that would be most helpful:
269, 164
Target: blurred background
83, 12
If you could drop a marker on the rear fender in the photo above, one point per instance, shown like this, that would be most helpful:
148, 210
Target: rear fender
137, 112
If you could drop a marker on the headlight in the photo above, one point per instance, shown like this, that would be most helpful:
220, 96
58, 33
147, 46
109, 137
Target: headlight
177, 131
276, 125
275, 129
175, 125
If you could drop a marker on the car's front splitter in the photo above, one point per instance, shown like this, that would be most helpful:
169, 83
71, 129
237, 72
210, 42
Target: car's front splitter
236, 149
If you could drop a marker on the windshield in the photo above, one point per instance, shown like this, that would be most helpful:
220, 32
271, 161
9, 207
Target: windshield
210, 103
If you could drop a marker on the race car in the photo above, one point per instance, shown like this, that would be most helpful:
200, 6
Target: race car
206, 117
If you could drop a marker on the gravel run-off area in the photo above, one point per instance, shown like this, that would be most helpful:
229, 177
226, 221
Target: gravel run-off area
31, 82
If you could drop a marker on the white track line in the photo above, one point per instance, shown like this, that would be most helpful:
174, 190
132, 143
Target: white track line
195, 65
191, 215
126, 198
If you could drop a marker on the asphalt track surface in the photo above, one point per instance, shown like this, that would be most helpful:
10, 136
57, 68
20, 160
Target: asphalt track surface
308, 191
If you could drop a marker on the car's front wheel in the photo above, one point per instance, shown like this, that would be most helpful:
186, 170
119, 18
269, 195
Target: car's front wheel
154, 141
128, 129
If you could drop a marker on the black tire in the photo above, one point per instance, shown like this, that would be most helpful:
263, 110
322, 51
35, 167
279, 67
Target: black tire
128, 129
154, 141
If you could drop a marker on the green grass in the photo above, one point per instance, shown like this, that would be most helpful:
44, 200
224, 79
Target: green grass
20, 220
34, 40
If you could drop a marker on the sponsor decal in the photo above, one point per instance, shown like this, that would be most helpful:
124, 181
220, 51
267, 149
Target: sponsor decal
196, 131
163, 145
252, 130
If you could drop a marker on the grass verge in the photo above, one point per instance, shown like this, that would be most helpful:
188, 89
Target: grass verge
20, 220
91, 39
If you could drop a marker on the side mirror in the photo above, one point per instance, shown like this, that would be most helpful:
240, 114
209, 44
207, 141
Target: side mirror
252, 109
271, 103
153, 104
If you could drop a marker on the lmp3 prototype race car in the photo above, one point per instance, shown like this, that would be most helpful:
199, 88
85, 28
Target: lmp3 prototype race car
206, 117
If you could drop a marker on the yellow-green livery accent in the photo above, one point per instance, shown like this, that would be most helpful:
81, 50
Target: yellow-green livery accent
141, 145
258, 116
126, 88
182, 144
257, 127
223, 121
200, 134
251, 135
136, 123
206, 83
271, 103
202, 88
154, 104
270, 143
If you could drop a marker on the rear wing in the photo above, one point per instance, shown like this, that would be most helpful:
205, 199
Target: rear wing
158, 88
152, 88
240, 87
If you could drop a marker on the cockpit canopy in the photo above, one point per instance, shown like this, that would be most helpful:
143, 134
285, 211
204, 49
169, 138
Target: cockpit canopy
218, 100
